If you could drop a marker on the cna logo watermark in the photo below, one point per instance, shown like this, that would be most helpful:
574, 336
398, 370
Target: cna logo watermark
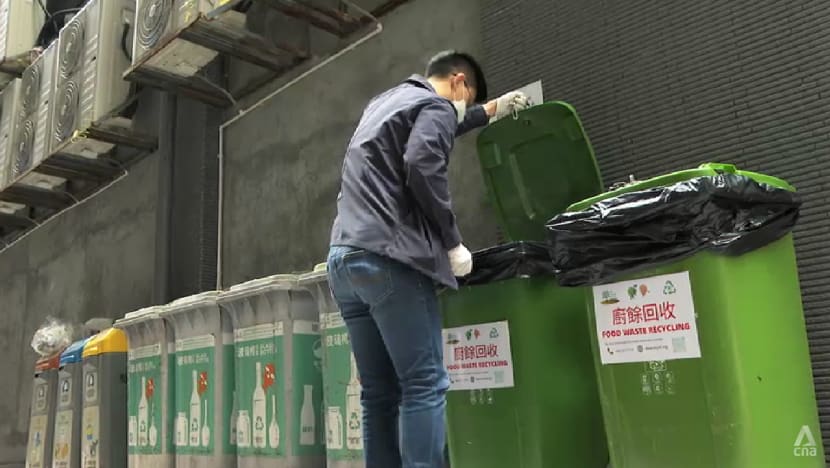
805, 443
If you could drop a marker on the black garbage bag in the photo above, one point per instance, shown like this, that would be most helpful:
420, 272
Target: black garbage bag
727, 213
508, 261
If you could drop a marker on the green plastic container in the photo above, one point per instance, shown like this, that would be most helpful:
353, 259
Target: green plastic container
66, 451
748, 401
549, 415
341, 385
203, 373
104, 417
151, 359
42, 415
278, 392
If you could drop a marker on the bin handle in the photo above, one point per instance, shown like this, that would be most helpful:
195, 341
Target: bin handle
491, 161
521, 188
720, 168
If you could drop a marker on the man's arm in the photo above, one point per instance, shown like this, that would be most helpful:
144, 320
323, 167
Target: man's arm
476, 117
425, 162
479, 116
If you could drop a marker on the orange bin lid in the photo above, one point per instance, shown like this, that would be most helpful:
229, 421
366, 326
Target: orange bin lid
47, 363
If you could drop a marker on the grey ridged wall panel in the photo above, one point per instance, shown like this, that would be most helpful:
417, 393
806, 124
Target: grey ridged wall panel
667, 85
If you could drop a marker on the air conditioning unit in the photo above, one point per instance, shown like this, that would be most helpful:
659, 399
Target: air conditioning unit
34, 120
91, 62
20, 24
34, 127
9, 111
156, 21
11, 208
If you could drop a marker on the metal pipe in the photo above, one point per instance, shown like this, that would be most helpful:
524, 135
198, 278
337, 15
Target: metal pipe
164, 212
220, 219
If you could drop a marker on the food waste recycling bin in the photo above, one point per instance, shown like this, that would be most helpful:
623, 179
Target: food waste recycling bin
278, 359
42, 416
150, 364
104, 418
702, 355
66, 452
203, 373
341, 397
516, 345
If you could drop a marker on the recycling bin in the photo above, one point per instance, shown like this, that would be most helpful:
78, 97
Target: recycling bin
42, 415
516, 345
204, 373
278, 394
104, 418
150, 361
518, 355
703, 360
341, 396
66, 452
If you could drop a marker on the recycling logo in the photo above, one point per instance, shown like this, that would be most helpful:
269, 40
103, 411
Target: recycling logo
669, 288
354, 421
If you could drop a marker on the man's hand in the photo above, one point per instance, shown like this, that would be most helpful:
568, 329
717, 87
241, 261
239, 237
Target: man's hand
514, 101
461, 261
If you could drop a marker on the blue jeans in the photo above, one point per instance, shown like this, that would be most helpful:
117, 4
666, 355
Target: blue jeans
394, 323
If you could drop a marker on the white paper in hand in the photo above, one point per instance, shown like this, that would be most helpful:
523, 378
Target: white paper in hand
534, 92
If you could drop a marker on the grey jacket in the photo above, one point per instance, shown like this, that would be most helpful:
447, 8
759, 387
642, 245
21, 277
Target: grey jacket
394, 197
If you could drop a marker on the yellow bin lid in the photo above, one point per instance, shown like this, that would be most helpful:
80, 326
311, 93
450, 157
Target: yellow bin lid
111, 340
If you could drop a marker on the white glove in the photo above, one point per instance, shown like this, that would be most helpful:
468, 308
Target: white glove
511, 103
461, 261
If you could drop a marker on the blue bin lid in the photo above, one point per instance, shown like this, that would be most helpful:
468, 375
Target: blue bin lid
73, 352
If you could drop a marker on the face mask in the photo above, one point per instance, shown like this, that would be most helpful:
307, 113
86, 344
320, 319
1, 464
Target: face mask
460, 108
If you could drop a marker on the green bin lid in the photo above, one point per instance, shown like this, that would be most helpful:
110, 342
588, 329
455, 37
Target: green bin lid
704, 170
319, 274
257, 286
186, 304
535, 165
139, 316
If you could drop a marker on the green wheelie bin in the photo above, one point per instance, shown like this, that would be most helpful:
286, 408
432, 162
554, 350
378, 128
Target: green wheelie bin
523, 391
703, 361
341, 384
279, 389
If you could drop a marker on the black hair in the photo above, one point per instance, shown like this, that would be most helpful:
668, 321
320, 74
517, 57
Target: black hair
448, 62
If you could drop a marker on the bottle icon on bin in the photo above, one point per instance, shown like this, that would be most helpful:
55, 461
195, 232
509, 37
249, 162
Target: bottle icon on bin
195, 414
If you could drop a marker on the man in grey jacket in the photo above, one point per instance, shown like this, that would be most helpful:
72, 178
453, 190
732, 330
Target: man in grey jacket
395, 237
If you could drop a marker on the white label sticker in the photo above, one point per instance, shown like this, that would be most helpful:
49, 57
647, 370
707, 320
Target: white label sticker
478, 356
333, 320
534, 92
65, 390
37, 442
62, 451
306, 327
648, 319
258, 332
90, 438
90, 383
196, 342
144, 352
41, 392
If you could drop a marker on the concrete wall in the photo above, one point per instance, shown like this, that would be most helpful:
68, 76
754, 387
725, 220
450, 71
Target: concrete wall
96, 260
283, 160
113, 254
